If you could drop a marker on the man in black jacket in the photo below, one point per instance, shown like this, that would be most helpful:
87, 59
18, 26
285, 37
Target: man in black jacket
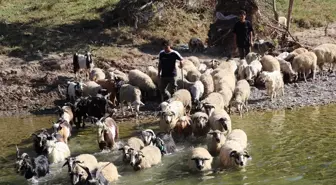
167, 70
243, 35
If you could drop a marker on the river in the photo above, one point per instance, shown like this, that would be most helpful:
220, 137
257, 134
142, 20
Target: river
287, 147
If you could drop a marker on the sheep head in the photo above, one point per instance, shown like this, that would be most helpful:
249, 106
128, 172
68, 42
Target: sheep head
223, 122
79, 173
240, 158
127, 150
200, 121
168, 116
209, 108
136, 158
148, 136
199, 162
217, 135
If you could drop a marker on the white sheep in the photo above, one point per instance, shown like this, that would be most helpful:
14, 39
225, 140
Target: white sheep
233, 153
241, 96
220, 120
212, 64
143, 81
115, 74
193, 75
200, 159
325, 53
196, 91
305, 63
282, 21
202, 68
170, 116
96, 74
195, 60
132, 96
86, 160
57, 151
187, 66
200, 124
226, 93
132, 143
223, 79
251, 56
106, 173
282, 55
82, 62
273, 82
270, 63
295, 53
216, 142
229, 65
153, 74
184, 96
208, 83
74, 90
286, 68
91, 88
252, 70
212, 101
241, 69
145, 158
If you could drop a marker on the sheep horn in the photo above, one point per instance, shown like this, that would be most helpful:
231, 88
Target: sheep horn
90, 177
17, 152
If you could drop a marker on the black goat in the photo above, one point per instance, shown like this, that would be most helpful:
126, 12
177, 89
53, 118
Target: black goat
31, 167
40, 141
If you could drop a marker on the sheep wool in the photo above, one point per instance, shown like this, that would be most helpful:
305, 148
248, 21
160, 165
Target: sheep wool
143, 81
304, 63
57, 151
200, 125
220, 120
131, 95
325, 53
270, 63
153, 74
208, 83
96, 74
241, 95
106, 172
145, 158
91, 88
200, 160
216, 142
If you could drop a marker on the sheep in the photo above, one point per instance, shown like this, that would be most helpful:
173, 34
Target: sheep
208, 84
200, 125
131, 95
108, 132
182, 127
220, 120
143, 81
251, 56
212, 101
96, 74
31, 167
74, 90
295, 53
286, 68
187, 66
273, 82
115, 74
170, 116
195, 60
40, 140
148, 137
200, 160
91, 88
216, 142
270, 63
241, 69
196, 91
230, 65
63, 128
86, 160
241, 96
110, 86
282, 55
145, 158
226, 93
202, 68
213, 64
81, 61
153, 74
224, 77
305, 63
233, 153
252, 70
282, 21
183, 83
57, 151
106, 173
325, 53
193, 75
196, 45
134, 143
66, 113
184, 96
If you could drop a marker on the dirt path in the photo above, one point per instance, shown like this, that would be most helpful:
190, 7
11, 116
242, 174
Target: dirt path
32, 87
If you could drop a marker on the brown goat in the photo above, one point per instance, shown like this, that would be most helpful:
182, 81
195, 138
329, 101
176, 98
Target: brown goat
107, 132
63, 128
110, 86
183, 127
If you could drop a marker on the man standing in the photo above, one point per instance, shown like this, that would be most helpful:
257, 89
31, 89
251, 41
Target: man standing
243, 35
167, 63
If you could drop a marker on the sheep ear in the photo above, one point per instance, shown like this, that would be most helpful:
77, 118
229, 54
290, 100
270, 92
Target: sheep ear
66, 162
233, 153
90, 177
246, 154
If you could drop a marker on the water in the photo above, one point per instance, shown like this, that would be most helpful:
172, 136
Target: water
287, 147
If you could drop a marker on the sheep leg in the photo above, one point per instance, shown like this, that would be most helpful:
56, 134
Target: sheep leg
245, 106
304, 76
122, 108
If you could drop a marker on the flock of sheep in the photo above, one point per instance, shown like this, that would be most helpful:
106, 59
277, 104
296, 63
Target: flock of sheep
207, 92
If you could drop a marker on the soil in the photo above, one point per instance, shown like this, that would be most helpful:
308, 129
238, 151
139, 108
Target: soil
33, 87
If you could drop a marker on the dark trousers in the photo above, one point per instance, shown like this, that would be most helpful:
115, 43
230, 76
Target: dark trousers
168, 86
243, 51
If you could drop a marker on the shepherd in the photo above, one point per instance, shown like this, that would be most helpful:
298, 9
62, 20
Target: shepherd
243, 35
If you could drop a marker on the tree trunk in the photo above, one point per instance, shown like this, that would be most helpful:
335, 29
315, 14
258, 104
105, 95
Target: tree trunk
290, 8
276, 15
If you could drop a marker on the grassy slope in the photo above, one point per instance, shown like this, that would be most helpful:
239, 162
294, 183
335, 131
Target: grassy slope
57, 26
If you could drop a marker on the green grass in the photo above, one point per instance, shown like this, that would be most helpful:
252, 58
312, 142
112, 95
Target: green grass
310, 13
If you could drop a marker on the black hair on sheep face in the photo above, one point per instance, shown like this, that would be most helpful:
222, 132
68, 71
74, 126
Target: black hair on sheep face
240, 158
199, 162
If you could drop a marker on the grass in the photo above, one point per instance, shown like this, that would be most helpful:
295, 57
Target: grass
310, 13
65, 26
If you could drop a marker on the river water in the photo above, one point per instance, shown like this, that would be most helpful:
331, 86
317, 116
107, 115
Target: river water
287, 147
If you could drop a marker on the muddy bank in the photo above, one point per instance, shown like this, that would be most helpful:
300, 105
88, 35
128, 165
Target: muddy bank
32, 87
